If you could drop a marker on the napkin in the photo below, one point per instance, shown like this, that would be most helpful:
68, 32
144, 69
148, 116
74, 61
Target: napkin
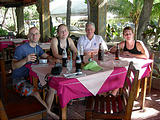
92, 66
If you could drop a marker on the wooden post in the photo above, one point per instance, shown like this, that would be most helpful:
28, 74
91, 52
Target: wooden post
94, 13
98, 15
44, 14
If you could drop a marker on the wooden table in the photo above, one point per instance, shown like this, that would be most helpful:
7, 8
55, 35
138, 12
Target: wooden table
72, 88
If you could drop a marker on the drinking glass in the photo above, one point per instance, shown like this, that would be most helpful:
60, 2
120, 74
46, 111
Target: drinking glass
69, 66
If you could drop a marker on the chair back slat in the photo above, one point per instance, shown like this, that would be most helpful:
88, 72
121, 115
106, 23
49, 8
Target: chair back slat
120, 103
113, 104
96, 106
108, 107
102, 102
131, 89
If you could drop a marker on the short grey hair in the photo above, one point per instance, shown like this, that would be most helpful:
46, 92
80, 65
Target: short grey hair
90, 23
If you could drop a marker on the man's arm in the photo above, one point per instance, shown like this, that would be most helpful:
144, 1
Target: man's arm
104, 45
19, 63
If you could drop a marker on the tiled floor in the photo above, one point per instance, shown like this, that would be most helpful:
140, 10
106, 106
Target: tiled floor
151, 111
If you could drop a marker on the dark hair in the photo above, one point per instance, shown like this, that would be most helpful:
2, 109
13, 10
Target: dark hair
127, 28
60, 26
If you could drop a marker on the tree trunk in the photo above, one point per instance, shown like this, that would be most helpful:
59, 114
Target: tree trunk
13, 14
68, 19
5, 16
20, 22
144, 18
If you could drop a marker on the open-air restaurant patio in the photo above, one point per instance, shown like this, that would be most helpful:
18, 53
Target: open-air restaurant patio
111, 71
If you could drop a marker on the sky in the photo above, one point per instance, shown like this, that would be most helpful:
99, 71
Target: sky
60, 7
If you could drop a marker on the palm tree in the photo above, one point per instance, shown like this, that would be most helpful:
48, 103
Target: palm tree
126, 9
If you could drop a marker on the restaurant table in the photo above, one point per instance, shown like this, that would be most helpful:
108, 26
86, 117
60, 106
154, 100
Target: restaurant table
5, 42
111, 77
45, 46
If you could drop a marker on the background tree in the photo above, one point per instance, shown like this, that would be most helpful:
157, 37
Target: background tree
156, 17
144, 17
6, 10
126, 9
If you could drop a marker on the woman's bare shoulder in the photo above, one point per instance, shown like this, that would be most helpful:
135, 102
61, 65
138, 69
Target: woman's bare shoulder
138, 44
54, 40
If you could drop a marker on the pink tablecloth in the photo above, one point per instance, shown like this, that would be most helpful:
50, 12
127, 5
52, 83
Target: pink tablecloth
4, 44
71, 88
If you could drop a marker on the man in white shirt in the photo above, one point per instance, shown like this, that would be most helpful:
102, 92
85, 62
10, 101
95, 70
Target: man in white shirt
90, 41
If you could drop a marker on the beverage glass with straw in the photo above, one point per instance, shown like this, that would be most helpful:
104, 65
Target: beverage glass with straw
35, 51
69, 64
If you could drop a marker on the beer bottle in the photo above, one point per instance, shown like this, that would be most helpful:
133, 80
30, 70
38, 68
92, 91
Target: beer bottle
100, 52
117, 53
81, 53
64, 58
78, 62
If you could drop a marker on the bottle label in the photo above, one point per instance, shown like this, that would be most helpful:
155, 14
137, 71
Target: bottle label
81, 50
78, 61
117, 53
64, 56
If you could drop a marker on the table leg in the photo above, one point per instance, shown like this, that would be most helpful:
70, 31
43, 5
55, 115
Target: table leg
143, 92
64, 113
138, 88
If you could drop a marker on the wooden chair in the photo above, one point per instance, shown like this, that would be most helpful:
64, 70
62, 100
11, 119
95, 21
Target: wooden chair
20, 105
145, 84
114, 107
3, 115
5, 76
150, 76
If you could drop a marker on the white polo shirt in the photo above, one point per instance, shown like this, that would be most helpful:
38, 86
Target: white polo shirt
92, 44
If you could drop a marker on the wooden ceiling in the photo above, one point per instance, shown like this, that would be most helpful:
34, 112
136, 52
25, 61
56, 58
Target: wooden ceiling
16, 3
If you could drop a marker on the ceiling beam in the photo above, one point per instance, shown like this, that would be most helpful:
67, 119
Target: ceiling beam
16, 3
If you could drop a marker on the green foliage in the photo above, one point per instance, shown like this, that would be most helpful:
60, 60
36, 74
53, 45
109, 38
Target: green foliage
113, 32
126, 9
3, 32
53, 31
31, 13
156, 11
11, 27
151, 31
